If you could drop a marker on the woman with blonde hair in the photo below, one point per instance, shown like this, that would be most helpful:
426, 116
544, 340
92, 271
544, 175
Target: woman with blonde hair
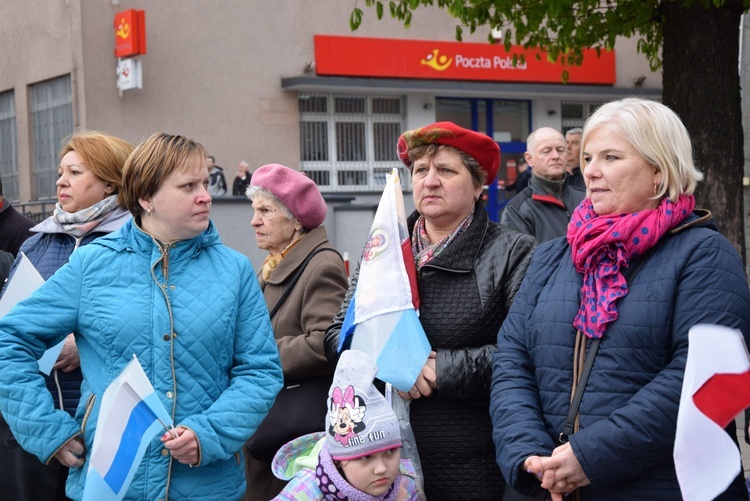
88, 207
603, 317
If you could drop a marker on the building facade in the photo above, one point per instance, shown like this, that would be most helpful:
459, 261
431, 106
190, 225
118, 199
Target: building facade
278, 82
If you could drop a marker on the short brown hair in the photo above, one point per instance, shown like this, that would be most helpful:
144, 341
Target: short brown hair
102, 154
152, 162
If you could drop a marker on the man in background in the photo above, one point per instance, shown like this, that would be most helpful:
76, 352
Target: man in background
242, 179
522, 178
217, 184
573, 157
14, 226
543, 208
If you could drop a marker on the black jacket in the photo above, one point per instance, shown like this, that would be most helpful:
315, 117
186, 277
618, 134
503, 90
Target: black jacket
465, 293
543, 208
14, 228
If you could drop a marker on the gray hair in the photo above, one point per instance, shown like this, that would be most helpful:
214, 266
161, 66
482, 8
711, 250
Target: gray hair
573, 131
259, 191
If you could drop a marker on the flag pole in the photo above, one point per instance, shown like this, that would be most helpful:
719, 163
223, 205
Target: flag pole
169, 430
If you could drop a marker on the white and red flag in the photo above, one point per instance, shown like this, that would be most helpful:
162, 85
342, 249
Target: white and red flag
715, 389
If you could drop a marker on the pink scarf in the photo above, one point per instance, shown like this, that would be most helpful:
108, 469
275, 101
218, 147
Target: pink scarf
603, 246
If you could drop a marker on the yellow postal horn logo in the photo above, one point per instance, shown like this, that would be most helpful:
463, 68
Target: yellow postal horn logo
436, 61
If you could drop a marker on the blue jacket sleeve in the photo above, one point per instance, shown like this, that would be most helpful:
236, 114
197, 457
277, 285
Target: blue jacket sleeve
32, 326
515, 410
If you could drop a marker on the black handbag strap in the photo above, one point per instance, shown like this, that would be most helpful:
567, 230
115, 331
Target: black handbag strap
575, 403
298, 274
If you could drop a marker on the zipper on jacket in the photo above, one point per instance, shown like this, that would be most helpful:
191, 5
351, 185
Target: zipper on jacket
89, 408
164, 250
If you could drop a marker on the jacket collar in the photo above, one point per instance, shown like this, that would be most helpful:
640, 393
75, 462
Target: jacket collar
551, 188
132, 237
461, 253
699, 218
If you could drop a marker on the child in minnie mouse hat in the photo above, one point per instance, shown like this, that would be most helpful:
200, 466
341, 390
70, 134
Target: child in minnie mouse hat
359, 454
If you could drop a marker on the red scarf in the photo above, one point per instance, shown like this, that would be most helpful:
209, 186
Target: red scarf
603, 246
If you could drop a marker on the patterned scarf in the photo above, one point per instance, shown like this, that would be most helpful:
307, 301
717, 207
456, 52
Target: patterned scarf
271, 262
335, 487
82, 222
603, 246
424, 251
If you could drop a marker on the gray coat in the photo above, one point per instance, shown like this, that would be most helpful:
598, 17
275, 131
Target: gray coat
543, 208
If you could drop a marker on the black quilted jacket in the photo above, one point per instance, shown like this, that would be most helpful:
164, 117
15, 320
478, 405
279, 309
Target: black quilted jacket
465, 294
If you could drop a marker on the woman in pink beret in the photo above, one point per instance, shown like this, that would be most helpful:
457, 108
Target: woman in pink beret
303, 282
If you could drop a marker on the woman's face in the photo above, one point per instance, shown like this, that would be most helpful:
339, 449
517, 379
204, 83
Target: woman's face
273, 231
443, 189
374, 473
618, 179
77, 187
181, 205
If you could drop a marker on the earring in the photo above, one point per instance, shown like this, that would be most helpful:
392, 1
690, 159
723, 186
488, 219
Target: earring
148, 211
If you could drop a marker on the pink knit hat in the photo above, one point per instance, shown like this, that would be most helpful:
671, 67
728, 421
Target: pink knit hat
295, 190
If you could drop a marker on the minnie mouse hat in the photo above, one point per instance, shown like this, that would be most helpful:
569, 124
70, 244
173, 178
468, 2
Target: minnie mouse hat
360, 420
480, 146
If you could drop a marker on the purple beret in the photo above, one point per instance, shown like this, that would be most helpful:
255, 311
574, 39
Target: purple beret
295, 190
480, 146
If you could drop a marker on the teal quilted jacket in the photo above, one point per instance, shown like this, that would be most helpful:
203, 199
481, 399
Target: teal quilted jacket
196, 319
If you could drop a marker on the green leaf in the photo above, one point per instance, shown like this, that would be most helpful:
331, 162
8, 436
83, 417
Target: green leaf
355, 19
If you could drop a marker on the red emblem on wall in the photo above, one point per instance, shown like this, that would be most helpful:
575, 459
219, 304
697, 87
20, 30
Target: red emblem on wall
130, 33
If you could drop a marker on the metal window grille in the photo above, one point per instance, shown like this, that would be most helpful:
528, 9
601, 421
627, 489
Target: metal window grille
8, 155
348, 142
575, 113
51, 120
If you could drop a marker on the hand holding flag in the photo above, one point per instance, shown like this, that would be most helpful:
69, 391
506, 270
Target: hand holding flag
130, 416
715, 389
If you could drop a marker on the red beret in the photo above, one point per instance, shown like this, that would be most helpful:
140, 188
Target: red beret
295, 190
480, 146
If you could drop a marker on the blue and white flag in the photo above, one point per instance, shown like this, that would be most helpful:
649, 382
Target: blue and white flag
130, 416
382, 319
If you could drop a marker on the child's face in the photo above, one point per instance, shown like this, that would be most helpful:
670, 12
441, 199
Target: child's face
373, 474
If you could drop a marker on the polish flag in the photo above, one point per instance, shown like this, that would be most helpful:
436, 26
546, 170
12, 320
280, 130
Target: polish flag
715, 389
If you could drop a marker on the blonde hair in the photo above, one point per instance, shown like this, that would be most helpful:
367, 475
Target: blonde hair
657, 134
152, 162
102, 154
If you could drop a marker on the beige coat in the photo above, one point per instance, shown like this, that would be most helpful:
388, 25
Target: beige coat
299, 326
301, 322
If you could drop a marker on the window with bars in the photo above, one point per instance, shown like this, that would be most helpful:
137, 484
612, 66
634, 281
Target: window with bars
51, 121
575, 113
8, 158
348, 142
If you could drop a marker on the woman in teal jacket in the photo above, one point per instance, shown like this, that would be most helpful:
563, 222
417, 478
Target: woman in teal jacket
164, 288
